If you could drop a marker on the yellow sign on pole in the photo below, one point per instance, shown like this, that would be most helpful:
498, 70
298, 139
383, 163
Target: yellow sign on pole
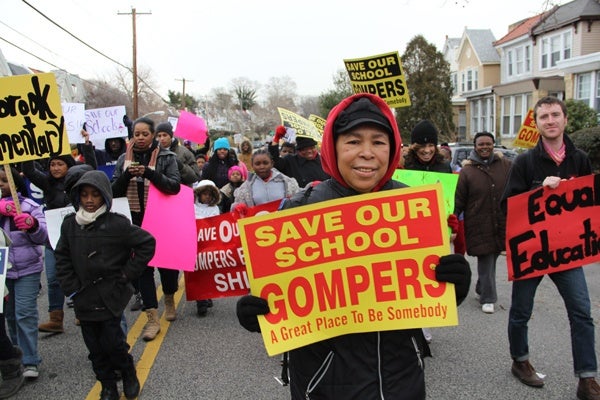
528, 133
381, 75
32, 125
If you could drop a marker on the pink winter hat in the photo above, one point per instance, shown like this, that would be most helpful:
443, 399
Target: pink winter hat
235, 168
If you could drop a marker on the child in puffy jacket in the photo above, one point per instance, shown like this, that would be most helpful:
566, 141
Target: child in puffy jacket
25, 225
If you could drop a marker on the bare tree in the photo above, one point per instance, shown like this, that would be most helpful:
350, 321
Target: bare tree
281, 92
100, 94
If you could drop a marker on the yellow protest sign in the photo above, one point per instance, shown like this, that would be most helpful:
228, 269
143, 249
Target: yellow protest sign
31, 121
528, 133
381, 75
356, 264
318, 121
303, 126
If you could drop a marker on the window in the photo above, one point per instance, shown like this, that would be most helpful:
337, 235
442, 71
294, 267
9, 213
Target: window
587, 89
474, 116
518, 61
454, 79
469, 80
472, 76
584, 87
482, 115
462, 82
506, 115
597, 107
513, 109
555, 48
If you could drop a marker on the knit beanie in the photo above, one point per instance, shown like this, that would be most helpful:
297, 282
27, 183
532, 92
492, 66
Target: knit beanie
165, 127
424, 132
221, 143
303, 142
243, 172
67, 159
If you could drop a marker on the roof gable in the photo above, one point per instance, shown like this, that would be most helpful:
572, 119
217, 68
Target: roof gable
569, 13
482, 42
523, 28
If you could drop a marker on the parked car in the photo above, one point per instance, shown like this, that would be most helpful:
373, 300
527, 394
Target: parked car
460, 152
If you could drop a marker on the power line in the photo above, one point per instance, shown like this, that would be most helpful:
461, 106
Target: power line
31, 54
47, 62
76, 38
92, 48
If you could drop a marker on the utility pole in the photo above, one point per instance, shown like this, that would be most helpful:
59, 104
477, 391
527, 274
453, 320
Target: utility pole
133, 14
183, 92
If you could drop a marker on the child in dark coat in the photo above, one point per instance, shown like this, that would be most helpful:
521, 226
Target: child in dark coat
98, 254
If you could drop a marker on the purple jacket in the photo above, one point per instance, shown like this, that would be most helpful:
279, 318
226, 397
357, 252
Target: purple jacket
26, 251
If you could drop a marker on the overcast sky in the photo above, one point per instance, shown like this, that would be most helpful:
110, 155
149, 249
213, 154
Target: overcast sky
209, 43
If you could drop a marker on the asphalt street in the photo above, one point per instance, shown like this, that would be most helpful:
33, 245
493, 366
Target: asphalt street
215, 358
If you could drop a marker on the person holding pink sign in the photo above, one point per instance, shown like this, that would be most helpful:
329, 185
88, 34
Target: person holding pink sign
143, 163
360, 149
98, 254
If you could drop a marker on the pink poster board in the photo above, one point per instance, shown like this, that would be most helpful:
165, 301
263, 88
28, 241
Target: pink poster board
171, 220
191, 127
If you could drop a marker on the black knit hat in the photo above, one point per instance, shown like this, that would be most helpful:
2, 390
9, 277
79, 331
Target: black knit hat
303, 142
361, 111
165, 127
424, 132
66, 158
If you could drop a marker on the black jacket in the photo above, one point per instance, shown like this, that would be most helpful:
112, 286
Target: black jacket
303, 170
54, 189
529, 169
96, 262
371, 365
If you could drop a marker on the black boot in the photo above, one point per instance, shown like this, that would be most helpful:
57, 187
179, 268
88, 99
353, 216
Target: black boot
12, 374
131, 384
109, 391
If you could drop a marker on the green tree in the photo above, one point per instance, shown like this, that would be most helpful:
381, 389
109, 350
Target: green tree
246, 96
588, 140
342, 89
580, 116
430, 88
191, 104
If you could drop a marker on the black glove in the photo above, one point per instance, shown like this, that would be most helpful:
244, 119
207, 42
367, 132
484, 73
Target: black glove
454, 268
248, 308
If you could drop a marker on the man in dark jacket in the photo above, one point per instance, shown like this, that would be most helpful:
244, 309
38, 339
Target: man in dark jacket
98, 254
553, 159
361, 148
305, 165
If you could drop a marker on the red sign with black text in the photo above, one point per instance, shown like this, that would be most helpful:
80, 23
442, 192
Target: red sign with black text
220, 267
559, 230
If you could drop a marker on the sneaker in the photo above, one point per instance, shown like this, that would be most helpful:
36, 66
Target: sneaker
137, 302
588, 389
488, 308
526, 373
31, 372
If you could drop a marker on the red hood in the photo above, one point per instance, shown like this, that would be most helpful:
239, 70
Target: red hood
328, 156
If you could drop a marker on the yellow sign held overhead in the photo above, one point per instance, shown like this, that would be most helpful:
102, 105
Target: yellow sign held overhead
381, 75
31, 122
